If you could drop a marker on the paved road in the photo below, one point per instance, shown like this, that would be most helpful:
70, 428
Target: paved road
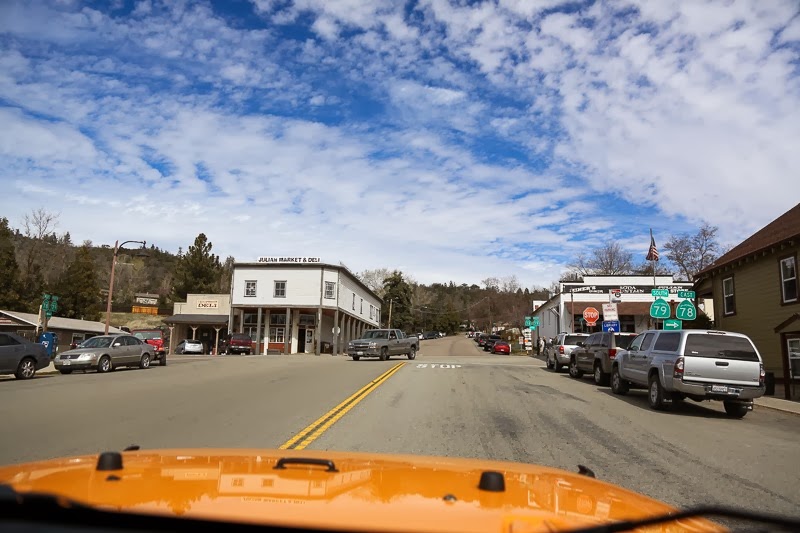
453, 400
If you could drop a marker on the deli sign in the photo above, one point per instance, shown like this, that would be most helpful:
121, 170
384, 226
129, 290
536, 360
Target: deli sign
591, 316
208, 304
288, 259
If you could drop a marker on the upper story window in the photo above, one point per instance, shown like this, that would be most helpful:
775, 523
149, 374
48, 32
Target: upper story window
354, 302
330, 290
280, 289
728, 299
788, 280
362, 306
250, 288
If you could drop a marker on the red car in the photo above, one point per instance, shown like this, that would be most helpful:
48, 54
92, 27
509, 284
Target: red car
501, 347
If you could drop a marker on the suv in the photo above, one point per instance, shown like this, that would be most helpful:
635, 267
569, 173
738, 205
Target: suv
597, 353
698, 364
558, 353
239, 343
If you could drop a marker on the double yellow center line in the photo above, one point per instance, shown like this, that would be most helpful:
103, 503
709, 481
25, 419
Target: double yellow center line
319, 426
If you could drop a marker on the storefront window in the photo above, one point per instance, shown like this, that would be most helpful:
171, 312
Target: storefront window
277, 319
307, 320
277, 335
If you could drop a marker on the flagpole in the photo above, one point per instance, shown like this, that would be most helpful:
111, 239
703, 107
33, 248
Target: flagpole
653, 264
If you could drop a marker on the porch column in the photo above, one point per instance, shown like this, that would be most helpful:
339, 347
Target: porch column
257, 351
287, 332
216, 342
194, 332
335, 350
318, 348
171, 340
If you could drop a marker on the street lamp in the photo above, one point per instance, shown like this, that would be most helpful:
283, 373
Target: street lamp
117, 248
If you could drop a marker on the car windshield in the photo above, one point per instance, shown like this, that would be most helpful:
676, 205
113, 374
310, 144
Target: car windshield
97, 342
259, 197
148, 335
624, 341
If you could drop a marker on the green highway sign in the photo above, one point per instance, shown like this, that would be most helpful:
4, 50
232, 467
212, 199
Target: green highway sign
660, 293
673, 324
535, 322
686, 310
660, 309
686, 294
527, 321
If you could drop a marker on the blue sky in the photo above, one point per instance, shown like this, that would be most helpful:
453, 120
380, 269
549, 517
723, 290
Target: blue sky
453, 140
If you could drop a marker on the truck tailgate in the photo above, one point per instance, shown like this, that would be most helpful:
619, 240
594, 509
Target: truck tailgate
721, 358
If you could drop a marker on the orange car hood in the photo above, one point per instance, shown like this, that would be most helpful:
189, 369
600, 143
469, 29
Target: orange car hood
368, 492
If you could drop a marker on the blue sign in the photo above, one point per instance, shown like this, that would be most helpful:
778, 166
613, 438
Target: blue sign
610, 325
48, 339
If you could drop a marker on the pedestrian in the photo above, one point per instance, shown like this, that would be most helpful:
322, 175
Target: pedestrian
541, 345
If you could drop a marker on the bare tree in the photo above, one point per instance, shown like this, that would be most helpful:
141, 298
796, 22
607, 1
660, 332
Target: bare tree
39, 226
373, 278
40, 223
693, 253
510, 284
491, 283
609, 259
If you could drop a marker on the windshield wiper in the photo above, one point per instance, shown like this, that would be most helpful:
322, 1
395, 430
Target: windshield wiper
782, 523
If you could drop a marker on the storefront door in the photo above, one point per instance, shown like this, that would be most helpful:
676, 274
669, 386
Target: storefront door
301, 340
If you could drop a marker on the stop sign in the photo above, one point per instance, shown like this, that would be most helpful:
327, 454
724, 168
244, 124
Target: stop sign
590, 315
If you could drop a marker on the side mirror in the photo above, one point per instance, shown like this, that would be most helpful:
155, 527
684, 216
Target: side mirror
116, 344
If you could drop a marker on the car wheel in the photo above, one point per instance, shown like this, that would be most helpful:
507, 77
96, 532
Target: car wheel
26, 368
656, 394
144, 362
66, 371
549, 362
735, 409
356, 357
618, 385
163, 360
557, 367
600, 377
104, 365
413, 353
384, 353
574, 372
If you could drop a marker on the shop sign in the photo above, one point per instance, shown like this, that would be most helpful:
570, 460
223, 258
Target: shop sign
208, 304
288, 260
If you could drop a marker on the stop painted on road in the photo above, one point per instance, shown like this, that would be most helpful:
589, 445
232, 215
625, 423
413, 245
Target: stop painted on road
437, 365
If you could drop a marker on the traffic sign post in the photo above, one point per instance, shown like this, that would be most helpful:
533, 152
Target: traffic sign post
673, 324
610, 312
535, 322
686, 310
610, 325
660, 293
660, 309
686, 294
527, 321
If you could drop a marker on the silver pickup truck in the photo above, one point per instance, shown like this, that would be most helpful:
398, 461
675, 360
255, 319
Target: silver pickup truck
696, 364
383, 343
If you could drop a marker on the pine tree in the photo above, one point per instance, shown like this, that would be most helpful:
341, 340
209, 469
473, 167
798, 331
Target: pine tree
78, 288
198, 271
399, 291
9, 269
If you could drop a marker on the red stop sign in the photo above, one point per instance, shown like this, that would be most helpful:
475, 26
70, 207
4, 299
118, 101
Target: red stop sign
590, 315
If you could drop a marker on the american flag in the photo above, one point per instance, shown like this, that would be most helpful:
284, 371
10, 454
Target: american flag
652, 254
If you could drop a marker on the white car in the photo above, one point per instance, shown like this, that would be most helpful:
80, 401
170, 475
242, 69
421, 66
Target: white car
187, 346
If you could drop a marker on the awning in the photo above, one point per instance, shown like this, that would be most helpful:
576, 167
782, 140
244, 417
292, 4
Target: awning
198, 320
623, 308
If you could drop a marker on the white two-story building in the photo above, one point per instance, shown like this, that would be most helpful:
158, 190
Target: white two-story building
300, 305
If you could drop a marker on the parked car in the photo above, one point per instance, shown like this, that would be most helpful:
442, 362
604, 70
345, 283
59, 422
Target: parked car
430, 335
487, 341
105, 353
239, 343
190, 346
558, 353
595, 355
697, 364
383, 343
501, 347
153, 337
21, 357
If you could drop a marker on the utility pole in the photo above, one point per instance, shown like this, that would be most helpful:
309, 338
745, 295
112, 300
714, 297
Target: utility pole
391, 301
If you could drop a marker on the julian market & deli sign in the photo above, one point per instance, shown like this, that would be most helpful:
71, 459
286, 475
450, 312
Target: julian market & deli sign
288, 260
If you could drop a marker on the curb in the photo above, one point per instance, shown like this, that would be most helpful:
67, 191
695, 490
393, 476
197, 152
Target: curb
776, 408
